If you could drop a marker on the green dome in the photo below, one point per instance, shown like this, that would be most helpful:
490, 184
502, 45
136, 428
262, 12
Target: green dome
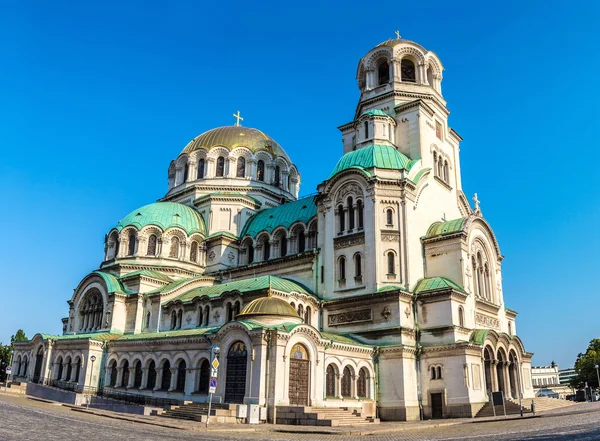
373, 155
165, 215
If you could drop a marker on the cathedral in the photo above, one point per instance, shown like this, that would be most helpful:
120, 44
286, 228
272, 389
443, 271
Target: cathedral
382, 290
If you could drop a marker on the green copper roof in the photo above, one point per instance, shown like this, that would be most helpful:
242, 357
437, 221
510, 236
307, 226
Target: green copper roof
167, 334
390, 288
148, 273
113, 284
169, 287
165, 215
373, 155
375, 112
340, 338
222, 233
97, 336
448, 227
244, 285
419, 175
435, 283
285, 215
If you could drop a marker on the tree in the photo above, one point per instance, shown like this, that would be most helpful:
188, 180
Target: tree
19, 336
585, 366
5, 353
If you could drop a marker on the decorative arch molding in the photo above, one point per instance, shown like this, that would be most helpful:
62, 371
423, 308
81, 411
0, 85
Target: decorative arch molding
402, 51
332, 185
375, 57
217, 151
476, 223
348, 188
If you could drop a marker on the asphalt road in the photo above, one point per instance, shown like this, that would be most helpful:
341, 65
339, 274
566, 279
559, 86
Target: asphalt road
22, 419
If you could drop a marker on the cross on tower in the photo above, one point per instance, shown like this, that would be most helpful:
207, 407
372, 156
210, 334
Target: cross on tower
398, 34
238, 117
476, 200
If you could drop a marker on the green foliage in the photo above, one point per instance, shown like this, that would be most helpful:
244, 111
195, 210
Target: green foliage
585, 366
19, 336
5, 353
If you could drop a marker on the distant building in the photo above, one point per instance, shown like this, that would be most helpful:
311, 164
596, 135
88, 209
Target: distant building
565, 375
549, 381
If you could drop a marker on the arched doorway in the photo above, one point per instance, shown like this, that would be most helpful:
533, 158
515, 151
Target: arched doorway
125, 375
165, 383
181, 367
487, 359
512, 374
299, 376
204, 377
235, 379
330, 381
361, 383
500, 371
347, 379
39, 360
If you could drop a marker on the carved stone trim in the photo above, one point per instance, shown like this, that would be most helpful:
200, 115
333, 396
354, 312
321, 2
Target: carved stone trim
487, 321
349, 241
343, 318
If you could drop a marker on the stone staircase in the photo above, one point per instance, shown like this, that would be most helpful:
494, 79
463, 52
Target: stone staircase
512, 406
192, 411
322, 416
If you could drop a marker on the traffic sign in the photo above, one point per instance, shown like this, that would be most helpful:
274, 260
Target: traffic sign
212, 390
215, 364
8, 369
213, 382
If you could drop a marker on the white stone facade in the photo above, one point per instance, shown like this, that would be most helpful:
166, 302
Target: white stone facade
395, 282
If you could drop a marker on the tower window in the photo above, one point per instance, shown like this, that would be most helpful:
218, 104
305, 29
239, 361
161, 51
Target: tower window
342, 222
301, 242
151, 245
383, 73
241, 167
342, 269
131, 250
391, 261
260, 170
220, 167
366, 124
359, 209
283, 246
186, 172
357, 266
350, 214
408, 71
277, 178
389, 217
200, 168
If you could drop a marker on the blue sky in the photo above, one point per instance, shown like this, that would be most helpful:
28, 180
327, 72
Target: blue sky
97, 98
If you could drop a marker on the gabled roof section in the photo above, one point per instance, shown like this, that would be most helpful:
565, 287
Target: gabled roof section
168, 334
165, 215
436, 283
243, 286
375, 112
96, 336
113, 284
284, 215
373, 155
147, 273
444, 228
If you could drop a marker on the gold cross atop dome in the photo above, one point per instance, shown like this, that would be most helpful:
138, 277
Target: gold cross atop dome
238, 117
398, 34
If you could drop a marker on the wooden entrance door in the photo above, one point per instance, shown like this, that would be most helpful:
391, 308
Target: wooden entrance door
299, 376
235, 378
437, 409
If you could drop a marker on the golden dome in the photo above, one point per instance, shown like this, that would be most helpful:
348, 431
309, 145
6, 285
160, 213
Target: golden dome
268, 306
232, 137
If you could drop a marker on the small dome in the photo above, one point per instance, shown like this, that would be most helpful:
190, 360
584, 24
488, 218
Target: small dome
268, 306
373, 156
232, 137
165, 215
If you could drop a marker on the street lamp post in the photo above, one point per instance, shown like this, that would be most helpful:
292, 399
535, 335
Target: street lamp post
92, 359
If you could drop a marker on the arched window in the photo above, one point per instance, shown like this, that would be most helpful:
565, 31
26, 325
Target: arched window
151, 383
229, 312
194, 252
250, 253
300, 310
366, 127
307, 315
389, 217
91, 312
165, 384
199, 317
430, 76
446, 174
174, 250
148, 317
510, 332
201, 167
461, 317
283, 246
266, 249
391, 262
347, 378
383, 73
77, 369
440, 167
180, 376
152, 245
301, 242
125, 374
480, 280
435, 161
359, 209
179, 319
361, 383
186, 171
475, 275
137, 381
173, 319
277, 177
433, 373
357, 265
260, 170
439, 372
220, 172
350, 213
206, 315
408, 71
342, 268
131, 250
113, 374
58, 374
241, 167
486, 278
204, 376
342, 218
330, 380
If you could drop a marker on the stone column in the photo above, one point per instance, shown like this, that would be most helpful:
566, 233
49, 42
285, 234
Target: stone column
107, 375
494, 375
73, 372
131, 377
119, 381
159, 375
506, 373
144, 378
173, 379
